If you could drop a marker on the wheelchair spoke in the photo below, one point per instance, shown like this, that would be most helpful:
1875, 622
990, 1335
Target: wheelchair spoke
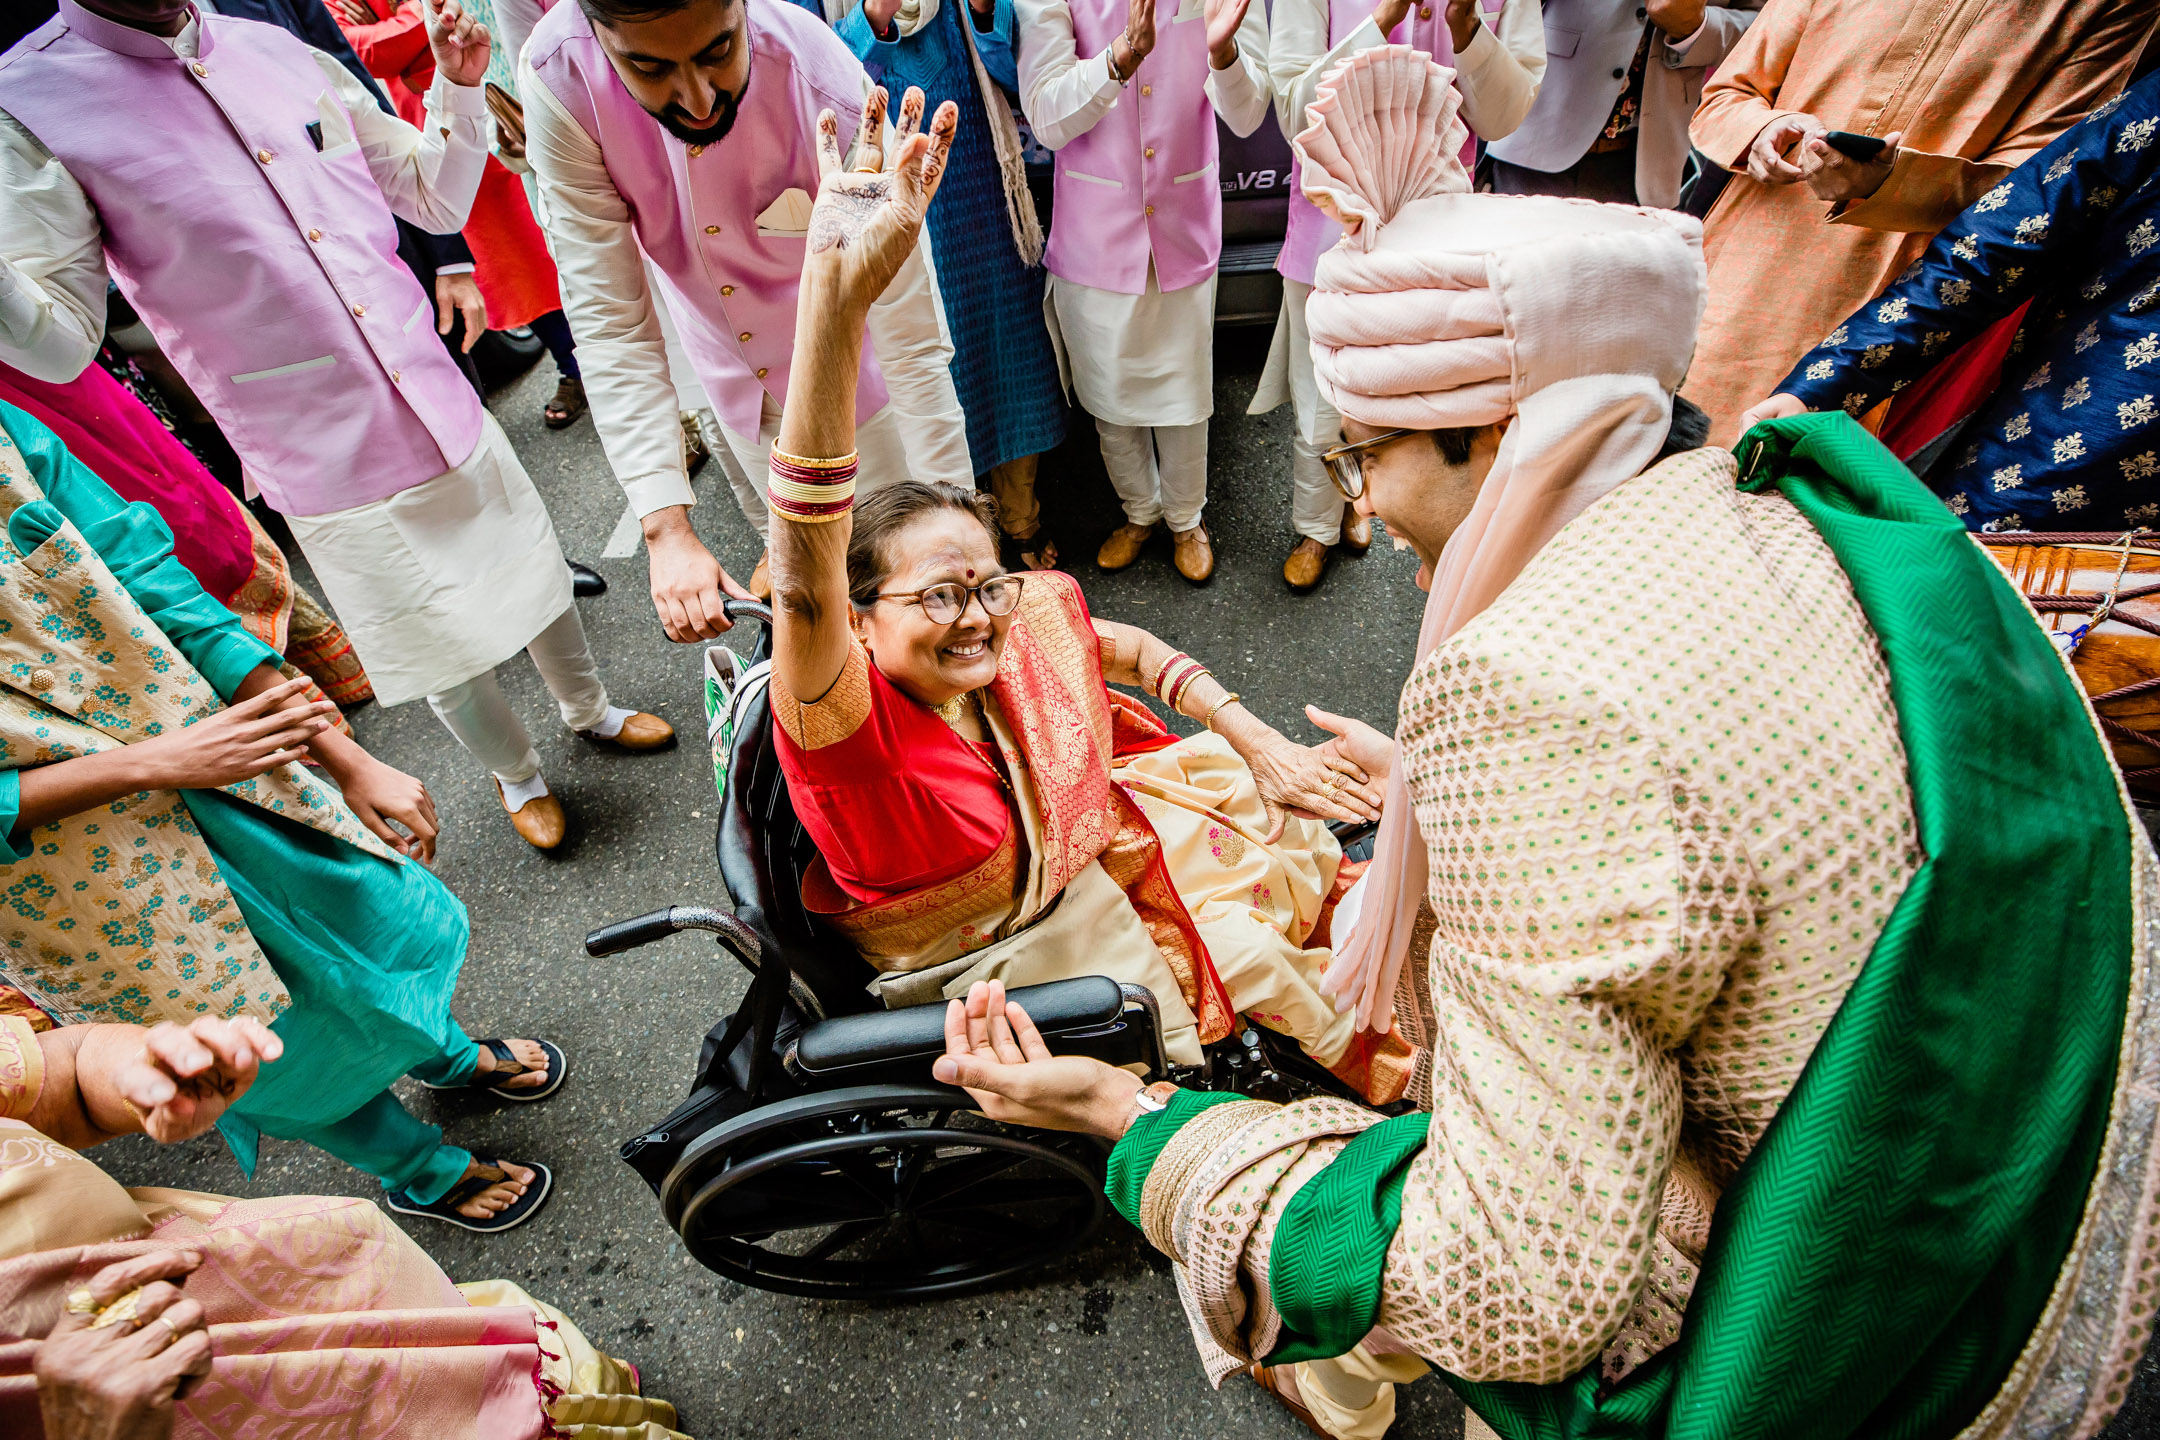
952, 1178
1012, 1195
841, 1237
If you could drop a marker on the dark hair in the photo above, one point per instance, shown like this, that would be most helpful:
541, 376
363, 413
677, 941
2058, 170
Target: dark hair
614, 12
881, 516
1690, 430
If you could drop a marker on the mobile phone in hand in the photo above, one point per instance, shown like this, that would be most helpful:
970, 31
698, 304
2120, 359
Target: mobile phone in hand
1863, 148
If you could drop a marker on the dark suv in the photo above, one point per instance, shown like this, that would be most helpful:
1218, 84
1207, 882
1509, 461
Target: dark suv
1255, 208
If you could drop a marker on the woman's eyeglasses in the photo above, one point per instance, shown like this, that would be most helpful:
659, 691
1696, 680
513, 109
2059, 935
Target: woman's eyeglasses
948, 602
1346, 463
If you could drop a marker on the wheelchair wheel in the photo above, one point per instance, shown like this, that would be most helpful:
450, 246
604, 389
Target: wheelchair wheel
881, 1192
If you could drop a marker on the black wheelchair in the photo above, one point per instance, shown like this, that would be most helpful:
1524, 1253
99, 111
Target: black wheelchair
814, 1154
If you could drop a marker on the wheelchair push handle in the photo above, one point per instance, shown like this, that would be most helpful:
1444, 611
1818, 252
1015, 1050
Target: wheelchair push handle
659, 924
746, 610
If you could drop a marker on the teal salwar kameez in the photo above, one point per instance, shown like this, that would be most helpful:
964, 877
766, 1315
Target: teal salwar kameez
370, 950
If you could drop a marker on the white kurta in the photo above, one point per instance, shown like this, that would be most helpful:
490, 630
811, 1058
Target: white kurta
442, 582
1129, 359
439, 583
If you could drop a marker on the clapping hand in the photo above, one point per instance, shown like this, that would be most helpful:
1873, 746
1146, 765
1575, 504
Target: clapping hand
866, 220
239, 742
460, 43
1139, 39
184, 1079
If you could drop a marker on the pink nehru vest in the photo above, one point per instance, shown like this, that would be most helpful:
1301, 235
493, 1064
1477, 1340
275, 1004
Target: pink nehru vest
1143, 182
267, 271
730, 285
1309, 232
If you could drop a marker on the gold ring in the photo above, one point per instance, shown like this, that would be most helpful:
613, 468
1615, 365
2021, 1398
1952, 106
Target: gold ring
81, 1302
172, 1330
120, 1309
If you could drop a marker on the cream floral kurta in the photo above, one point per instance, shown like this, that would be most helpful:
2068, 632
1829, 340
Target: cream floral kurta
119, 913
1662, 789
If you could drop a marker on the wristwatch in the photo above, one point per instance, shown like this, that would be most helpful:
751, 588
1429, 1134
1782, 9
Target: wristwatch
1151, 1100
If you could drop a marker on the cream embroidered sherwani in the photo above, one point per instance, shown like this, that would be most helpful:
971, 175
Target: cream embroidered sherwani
1667, 808
1665, 801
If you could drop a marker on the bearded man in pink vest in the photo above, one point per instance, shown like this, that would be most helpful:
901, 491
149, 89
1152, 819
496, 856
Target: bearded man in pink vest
685, 132
254, 235
1497, 51
1127, 97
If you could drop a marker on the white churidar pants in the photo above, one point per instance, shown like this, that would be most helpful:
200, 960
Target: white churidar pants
481, 719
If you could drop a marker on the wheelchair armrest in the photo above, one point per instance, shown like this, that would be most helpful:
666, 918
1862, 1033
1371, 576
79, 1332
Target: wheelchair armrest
1093, 1015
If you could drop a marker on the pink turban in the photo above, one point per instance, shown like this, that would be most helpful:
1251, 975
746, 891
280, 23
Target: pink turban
1572, 321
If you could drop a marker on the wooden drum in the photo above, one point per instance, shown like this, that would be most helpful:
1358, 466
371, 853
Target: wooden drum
2108, 585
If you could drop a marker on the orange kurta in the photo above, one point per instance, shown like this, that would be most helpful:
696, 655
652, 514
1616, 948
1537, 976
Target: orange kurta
1975, 85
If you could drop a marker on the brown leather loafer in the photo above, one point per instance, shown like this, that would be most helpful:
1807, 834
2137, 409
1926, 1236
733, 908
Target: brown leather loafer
761, 578
1275, 1379
1123, 547
539, 823
1307, 563
639, 733
1192, 554
1356, 530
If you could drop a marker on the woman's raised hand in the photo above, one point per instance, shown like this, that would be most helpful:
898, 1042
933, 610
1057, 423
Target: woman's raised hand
867, 219
239, 742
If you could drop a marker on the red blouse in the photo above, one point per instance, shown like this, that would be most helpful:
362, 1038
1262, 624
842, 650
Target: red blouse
892, 796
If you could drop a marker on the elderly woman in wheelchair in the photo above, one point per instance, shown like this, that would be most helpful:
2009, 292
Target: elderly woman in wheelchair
937, 780
983, 805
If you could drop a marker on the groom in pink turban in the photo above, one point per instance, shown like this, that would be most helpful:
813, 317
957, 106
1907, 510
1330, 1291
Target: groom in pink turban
1747, 799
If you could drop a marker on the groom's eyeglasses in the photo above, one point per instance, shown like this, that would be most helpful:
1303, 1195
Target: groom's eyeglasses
1346, 463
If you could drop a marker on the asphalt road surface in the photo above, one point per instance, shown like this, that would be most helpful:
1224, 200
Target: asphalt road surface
1094, 1347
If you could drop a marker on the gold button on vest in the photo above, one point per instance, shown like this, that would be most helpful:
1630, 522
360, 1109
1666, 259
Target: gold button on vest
41, 680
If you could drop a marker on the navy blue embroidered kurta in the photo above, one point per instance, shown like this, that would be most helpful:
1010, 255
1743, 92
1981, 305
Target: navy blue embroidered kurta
2068, 441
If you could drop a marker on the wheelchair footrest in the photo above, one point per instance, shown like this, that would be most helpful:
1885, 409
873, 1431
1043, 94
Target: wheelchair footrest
1092, 1015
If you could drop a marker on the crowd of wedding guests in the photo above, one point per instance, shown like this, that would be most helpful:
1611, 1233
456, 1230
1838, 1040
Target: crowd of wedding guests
268, 317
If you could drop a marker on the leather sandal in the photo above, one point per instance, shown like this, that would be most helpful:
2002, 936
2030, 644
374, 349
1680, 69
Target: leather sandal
694, 451
1028, 552
639, 734
761, 578
516, 1213
568, 404
1271, 1379
509, 1067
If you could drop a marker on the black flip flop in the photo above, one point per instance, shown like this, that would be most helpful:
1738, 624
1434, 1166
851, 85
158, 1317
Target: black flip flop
522, 1209
509, 1067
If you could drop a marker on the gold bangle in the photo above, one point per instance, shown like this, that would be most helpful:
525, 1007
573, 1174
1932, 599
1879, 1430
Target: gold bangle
841, 462
1209, 721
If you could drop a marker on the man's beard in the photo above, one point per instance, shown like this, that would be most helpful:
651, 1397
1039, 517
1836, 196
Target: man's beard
676, 120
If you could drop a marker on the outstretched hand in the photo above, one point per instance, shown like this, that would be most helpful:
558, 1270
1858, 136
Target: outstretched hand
866, 220
185, 1078
995, 1053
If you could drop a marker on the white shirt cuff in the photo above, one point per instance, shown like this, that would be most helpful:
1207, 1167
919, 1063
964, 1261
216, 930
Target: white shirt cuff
658, 491
1105, 84
455, 267
467, 102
